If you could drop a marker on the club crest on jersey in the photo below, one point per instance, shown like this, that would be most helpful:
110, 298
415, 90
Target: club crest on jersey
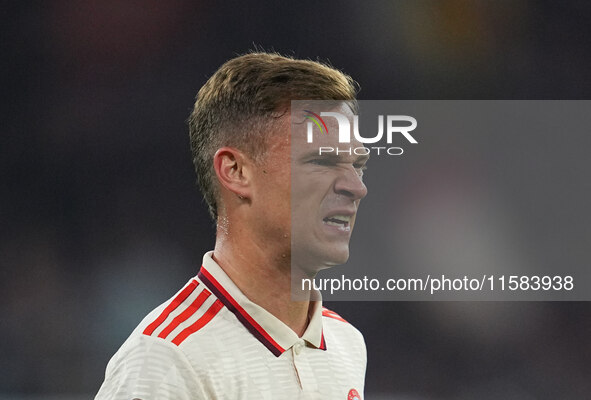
353, 395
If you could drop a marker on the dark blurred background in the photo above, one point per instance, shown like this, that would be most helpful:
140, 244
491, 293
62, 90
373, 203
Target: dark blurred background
101, 219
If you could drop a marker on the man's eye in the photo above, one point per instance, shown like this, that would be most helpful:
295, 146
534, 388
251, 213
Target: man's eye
322, 161
360, 168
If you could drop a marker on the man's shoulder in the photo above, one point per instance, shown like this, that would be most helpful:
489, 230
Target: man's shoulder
343, 339
333, 315
335, 323
191, 312
193, 315
152, 363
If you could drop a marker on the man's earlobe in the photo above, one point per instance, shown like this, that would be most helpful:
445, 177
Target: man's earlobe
229, 168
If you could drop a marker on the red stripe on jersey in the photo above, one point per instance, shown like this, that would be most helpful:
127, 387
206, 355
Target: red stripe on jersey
322, 343
182, 296
200, 323
248, 322
182, 317
331, 314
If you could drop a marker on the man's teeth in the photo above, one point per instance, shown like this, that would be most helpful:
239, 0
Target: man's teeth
338, 220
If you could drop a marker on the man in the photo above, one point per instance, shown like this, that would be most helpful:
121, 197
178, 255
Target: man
233, 332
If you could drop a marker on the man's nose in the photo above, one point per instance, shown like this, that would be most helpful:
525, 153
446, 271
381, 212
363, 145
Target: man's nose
350, 184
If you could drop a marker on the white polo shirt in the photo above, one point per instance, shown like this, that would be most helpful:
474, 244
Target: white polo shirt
210, 342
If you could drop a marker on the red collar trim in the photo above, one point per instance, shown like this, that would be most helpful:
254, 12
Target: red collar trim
246, 320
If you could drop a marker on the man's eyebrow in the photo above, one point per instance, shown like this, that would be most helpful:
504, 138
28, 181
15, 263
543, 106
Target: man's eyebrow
314, 154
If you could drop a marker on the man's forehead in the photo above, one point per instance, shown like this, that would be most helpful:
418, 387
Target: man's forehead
325, 129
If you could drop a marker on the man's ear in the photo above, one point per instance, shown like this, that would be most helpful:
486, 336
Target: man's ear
232, 169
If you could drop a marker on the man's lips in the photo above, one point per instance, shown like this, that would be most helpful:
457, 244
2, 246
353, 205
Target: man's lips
339, 218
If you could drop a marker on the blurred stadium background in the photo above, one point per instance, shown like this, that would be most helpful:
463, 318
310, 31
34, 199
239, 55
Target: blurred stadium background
101, 220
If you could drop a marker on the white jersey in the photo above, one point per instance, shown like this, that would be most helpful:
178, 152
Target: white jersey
210, 342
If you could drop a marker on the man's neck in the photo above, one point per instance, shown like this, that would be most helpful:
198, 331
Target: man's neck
263, 277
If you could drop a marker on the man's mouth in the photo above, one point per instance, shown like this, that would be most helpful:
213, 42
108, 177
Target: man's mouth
340, 221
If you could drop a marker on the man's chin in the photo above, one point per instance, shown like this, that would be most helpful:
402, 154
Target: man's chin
312, 264
337, 259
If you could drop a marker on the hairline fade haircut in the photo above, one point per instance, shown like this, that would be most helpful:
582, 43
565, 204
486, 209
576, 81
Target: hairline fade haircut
242, 103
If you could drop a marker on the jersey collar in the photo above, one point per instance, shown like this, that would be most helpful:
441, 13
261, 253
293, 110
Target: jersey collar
269, 330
